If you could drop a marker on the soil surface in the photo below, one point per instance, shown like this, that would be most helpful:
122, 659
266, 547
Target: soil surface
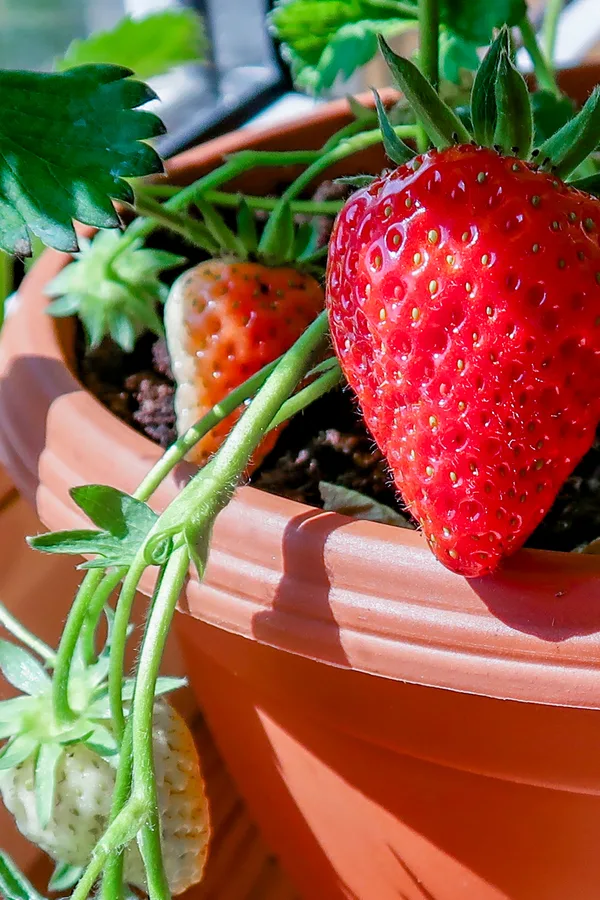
327, 442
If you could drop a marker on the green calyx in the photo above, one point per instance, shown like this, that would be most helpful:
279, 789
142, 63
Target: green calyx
114, 290
28, 724
500, 116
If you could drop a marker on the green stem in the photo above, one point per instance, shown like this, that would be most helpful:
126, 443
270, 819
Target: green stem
543, 73
192, 231
119, 833
307, 395
345, 148
95, 610
549, 29
142, 228
112, 879
22, 634
119, 641
151, 653
429, 35
267, 204
68, 642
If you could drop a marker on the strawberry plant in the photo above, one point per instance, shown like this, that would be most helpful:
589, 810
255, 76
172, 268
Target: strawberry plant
461, 302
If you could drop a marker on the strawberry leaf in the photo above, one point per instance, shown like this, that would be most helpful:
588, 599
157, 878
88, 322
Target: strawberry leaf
439, 121
45, 780
115, 511
112, 291
64, 877
325, 39
125, 523
475, 20
347, 502
148, 46
13, 883
22, 670
17, 751
591, 184
67, 142
165, 684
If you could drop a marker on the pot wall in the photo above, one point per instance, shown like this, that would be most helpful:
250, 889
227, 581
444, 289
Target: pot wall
396, 730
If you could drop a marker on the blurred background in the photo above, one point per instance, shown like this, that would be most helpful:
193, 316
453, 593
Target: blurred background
243, 75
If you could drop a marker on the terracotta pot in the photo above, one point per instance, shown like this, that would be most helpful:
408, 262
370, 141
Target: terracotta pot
396, 730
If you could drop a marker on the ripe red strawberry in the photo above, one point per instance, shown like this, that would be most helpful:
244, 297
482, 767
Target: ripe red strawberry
224, 322
464, 298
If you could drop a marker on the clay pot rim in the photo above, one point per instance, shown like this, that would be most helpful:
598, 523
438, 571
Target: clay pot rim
529, 633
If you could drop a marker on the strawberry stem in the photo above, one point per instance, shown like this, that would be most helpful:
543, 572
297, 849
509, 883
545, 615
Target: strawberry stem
549, 29
195, 232
429, 34
543, 73
142, 713
22, 634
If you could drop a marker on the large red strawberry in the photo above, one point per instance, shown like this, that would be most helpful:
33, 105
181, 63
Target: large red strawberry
464, 300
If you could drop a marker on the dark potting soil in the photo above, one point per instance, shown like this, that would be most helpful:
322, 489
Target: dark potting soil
327, 442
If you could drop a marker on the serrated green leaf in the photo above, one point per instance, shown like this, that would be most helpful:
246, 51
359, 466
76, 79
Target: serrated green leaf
67, 141
327, 39
347, 502
45, 780
549, 114
395, 148
114, 511
22, 670
456, 56
64, 877
475, 20
514, 122
149, 46
14, 885
17, 750
572, 143
484, 111
439, 121
104, 282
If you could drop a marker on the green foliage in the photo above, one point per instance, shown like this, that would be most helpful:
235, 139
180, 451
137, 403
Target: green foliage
572, 143
113, 291
474, 20
67, 142
124, 524
148, 46
325, 39
549, 114
347, 502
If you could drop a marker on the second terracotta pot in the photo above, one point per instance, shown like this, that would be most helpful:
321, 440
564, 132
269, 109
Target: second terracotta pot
397, 731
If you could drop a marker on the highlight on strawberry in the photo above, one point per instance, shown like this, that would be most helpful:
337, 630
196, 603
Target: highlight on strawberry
460, 296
